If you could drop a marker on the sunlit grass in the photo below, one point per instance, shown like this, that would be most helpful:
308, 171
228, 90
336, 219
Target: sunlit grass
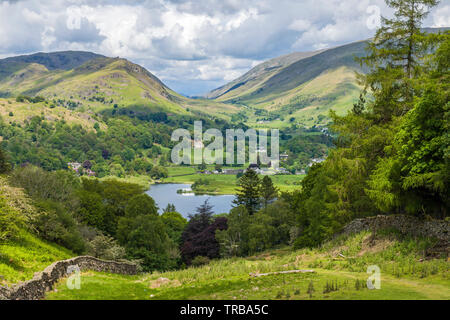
230, 279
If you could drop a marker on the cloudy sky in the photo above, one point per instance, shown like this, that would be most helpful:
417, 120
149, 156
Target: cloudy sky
192, 45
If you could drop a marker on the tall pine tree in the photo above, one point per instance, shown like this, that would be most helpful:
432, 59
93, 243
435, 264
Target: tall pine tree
248, 193
268, 191
394, 58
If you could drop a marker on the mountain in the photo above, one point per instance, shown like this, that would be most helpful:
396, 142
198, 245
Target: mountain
89, 81
300, 87
257, 75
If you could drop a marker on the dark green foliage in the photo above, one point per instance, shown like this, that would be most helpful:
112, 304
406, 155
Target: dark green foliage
247, 234
146, 239
158, 172
58, 186
141, 204
415, 174
391, 154
4, 163
268, 191
234, 241
55, 223
51, 145
22, 98
248, 193
110, 203
175, 224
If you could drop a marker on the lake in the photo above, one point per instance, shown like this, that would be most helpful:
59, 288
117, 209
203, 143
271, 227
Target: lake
186, 203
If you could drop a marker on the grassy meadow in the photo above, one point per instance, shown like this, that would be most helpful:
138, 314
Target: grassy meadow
223, 183
339, 273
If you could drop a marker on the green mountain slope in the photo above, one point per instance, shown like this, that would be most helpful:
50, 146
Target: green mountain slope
87, 81
300, 87
256, 76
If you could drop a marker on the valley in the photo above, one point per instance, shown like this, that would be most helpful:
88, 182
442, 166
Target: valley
359, 199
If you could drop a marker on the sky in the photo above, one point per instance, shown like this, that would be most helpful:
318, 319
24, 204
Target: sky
193, 46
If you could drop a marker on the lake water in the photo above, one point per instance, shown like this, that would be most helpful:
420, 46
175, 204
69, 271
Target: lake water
186, 203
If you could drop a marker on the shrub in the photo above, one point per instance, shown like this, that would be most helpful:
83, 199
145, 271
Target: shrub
158, 172
58, 185
55, 224
200, 261
10, 221
105, 247
4, 164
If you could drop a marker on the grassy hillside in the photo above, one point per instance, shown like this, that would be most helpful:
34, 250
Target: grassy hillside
297, 88
256, 76
24, 254
339, 265
87, 81
18, 112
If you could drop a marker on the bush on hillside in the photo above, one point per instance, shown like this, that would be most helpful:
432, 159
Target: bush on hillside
200, 261
105, 247
10, 221
55, 223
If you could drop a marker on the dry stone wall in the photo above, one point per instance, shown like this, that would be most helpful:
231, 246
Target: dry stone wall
439, 229
42, 282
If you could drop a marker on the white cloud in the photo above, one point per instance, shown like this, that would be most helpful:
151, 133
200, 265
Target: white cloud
300, 25
206, 42
441, 17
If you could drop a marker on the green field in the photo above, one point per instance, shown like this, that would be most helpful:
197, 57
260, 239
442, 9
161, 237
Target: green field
341, 263
223, 183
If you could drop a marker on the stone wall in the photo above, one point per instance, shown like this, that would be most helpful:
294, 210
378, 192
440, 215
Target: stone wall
438, 229
42, 282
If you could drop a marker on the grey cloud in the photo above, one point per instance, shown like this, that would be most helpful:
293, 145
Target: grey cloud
192, 45
84, 33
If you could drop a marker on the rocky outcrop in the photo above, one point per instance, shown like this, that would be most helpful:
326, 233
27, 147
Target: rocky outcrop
438, 229
42, 282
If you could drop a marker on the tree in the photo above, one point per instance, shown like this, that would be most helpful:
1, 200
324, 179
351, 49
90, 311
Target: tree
234, 240
158, 172
141, 204
146, 239
198, 239
248, 193
414, 176
4, 164
169, 208
175, 224
394, 58
268, 191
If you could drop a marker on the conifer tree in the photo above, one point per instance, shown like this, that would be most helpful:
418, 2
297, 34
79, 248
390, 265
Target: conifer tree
395, 56
268, 191
248, 193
